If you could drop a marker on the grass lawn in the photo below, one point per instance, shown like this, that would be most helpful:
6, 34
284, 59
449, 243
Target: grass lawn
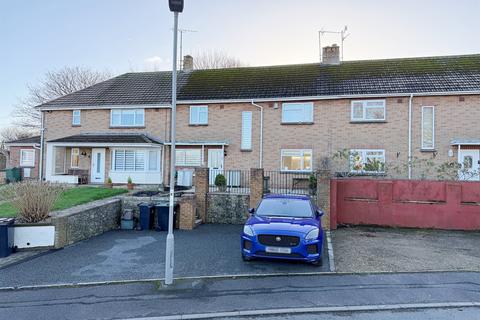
70, 198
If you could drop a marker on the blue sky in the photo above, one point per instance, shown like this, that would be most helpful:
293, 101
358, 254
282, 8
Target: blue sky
135, 35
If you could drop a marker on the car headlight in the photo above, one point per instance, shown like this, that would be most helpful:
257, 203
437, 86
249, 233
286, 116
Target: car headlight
248, 231
312, 235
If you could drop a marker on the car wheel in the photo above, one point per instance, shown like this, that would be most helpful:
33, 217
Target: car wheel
245, 258
318, 263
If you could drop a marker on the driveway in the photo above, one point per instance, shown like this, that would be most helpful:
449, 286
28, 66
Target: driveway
209, 250
365, 249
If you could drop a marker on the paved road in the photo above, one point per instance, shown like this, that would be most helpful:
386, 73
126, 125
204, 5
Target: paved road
222, 295
123, 255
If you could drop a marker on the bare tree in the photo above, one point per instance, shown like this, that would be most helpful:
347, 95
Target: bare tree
53, 85
16, 133
215, 60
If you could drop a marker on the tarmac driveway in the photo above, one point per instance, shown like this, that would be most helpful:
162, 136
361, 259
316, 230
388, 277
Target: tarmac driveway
209, 250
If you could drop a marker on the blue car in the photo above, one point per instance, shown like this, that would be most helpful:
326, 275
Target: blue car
284, 227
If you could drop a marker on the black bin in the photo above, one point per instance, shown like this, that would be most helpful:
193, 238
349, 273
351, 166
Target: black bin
146, 218
161, 210
6, 237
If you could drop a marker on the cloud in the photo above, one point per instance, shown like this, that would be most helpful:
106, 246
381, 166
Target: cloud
154, 60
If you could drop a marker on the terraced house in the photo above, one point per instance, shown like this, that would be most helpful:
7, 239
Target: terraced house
290, 118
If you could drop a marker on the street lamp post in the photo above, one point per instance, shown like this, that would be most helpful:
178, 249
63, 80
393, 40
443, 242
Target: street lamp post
176, 6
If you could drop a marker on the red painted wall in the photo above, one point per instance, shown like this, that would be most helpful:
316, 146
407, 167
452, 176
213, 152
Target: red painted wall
406, 203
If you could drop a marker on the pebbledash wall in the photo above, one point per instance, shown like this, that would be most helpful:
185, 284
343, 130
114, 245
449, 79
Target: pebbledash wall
331, 130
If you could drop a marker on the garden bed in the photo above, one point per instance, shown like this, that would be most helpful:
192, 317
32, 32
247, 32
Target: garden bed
70, 198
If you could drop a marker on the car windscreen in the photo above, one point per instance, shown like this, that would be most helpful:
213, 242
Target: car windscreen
294, 208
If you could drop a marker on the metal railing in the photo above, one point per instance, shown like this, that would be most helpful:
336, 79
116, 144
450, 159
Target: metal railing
237, 181
286, 182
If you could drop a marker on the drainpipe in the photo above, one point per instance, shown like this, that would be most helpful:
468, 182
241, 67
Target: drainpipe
410, 136
261, 131
42, 140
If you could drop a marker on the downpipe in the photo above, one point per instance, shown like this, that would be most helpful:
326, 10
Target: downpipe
261, 132
410, 136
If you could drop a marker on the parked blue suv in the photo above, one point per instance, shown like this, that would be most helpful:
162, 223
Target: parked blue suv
284, 227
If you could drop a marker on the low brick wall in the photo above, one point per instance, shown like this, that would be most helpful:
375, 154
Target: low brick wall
227, 208
85, 221
2, 177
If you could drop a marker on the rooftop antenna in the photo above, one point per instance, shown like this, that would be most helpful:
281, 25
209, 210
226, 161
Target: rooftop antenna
182, 31
343, 35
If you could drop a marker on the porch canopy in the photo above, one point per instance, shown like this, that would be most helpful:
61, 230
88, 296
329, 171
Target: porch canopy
93, 158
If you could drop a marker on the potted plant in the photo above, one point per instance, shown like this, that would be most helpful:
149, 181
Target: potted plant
221, 182
312, 184
130, 184
109, 183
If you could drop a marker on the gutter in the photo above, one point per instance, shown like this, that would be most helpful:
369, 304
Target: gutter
410, 136
261, 131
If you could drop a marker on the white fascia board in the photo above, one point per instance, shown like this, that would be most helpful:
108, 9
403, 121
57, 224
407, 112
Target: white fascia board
197, 144
108, 107
104, 145
308, 98
33, 145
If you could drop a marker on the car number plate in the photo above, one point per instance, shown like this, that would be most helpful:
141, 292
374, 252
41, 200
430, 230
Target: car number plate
278, 250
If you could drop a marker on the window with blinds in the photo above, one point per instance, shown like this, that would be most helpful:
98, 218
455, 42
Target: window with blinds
188, 157
129, 160
246, 143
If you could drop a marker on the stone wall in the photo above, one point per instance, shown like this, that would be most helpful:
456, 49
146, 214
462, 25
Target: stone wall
85, 221
227, 208
2, 177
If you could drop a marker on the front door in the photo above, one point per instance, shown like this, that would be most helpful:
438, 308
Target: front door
215, 163
98, 166
470, 166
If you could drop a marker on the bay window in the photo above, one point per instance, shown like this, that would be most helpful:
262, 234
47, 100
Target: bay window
135, 160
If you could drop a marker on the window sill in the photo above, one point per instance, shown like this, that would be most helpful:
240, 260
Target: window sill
296, 171
198, 124
296, 123
127, 127
27, 166
245, 150
368, 121
76, 125
428, 150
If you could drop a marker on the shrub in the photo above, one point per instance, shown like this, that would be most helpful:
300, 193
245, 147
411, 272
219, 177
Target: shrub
129, 180
109, 180
220, 180
33, 199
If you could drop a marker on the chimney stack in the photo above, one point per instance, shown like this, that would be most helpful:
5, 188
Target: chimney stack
331, 55
187, 63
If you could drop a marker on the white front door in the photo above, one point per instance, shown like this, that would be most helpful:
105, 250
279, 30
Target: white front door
215, 163
470, 166
98, 166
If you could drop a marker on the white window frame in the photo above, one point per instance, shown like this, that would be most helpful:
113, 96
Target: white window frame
30, 164
363, 153
302, 151
121, 111
197, 121
433, 128
184, 163
76, 117
307, 111
146, 160
71, 158
247, 128
365, 107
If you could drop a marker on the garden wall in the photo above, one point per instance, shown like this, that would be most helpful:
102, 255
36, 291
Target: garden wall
227, 208
86, 221
2, 177
406, 203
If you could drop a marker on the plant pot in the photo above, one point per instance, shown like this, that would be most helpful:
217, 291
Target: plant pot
222, 188
130, 186
109, 185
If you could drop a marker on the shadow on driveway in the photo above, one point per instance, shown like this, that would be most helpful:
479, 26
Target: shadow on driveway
209, 250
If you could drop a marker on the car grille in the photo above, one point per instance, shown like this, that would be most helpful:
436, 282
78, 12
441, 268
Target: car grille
287, 255
278, 240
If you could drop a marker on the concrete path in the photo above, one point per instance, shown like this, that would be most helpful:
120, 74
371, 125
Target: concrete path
265, 294
365, 249
209, 250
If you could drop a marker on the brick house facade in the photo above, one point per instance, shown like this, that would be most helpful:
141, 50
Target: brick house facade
447, 105
25, 154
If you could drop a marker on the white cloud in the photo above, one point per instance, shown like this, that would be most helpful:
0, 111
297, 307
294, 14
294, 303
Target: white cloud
154, 60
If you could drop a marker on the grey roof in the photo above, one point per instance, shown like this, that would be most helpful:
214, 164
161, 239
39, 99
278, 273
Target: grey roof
367, 77
109, 138
29, 140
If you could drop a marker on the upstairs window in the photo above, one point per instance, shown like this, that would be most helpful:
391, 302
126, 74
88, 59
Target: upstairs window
368, 110
296, 160
127, 118
367, 161
76, 118
188, 157
246, 130
297, 112
428, 128
199, 115
27, 158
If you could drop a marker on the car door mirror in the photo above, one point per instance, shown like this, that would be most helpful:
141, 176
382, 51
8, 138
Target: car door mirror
251, 211
320, 213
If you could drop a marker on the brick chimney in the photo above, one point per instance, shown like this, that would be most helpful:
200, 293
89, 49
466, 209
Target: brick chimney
187, 63
331, 55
